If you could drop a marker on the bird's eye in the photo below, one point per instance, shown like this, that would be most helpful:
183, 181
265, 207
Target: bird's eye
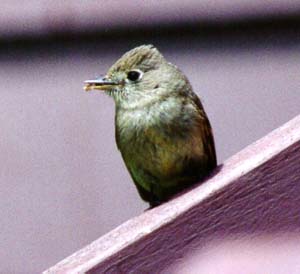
134, 75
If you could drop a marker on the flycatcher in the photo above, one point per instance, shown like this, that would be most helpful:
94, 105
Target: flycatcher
161, 128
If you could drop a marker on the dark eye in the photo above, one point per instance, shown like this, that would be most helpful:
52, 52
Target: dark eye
134, 75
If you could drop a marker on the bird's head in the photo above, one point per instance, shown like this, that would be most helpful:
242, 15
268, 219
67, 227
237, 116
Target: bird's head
140, 76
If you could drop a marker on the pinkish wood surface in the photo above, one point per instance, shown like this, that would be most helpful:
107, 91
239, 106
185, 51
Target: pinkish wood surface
257, 191
42, 17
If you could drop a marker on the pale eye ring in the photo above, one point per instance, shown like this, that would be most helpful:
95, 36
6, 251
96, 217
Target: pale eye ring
134, 75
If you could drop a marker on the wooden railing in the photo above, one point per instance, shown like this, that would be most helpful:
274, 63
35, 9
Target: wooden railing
255, 191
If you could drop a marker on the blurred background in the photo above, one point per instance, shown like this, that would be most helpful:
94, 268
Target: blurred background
63, 182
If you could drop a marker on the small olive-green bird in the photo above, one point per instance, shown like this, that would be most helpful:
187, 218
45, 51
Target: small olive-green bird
161, 128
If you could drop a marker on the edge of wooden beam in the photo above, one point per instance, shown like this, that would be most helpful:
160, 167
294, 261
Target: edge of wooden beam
150, 221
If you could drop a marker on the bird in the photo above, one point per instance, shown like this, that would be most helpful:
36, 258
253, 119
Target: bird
161, 128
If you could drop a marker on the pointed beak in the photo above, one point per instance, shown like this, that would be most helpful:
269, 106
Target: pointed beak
99, 84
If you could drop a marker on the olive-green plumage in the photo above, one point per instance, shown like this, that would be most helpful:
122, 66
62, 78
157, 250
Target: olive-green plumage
162, 131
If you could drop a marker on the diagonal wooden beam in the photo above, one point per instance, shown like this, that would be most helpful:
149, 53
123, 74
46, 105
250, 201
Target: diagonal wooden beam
254, 192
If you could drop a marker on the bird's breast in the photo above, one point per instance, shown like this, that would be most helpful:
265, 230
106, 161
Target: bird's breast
157, 140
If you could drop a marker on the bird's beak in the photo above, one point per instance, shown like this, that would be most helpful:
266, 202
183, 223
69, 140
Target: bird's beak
99, 84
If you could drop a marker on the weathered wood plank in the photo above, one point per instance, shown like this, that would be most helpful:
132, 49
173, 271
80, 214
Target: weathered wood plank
255, 191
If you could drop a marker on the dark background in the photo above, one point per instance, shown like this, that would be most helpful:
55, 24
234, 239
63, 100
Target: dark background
63, 182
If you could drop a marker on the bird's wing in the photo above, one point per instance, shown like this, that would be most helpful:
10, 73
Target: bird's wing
207, 133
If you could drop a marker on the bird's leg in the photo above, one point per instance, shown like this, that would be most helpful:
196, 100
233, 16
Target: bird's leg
154, 201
